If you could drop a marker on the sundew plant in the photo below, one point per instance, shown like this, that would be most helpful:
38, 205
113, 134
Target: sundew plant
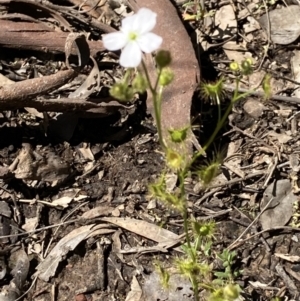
133, 39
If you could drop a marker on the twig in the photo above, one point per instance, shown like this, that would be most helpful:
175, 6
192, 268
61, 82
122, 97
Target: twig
33, 36
287, 280
28, 290
63, 220
289, 99
42, 7
234, 181
270, 173
251, 224
231, 247
41, 229
254, 228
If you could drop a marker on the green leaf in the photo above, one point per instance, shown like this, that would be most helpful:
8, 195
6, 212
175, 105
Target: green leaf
221, 275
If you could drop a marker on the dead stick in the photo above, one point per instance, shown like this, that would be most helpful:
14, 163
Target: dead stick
32, 39
31, 88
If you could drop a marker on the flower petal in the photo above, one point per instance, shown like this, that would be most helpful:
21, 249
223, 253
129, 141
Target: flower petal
145, 21
127, 24
149, 42
131, 55
114, 41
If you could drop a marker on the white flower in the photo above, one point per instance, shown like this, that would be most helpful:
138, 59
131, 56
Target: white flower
134, 38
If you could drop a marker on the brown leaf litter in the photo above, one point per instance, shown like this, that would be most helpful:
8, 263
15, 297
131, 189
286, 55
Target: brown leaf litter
96, 234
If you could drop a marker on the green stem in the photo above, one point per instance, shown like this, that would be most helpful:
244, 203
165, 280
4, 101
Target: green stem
157, 79
186, 231
235, 98
185, 216
219, 108
157, 110
195, 288
148, 78
185, 213
157, 105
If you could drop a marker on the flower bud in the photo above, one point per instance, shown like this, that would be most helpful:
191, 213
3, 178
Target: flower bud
166, 77
121, 91
231, 292
174, 159
246, 66
209, 172
178, 136
163, 58
140, 84
204, 230
234, 66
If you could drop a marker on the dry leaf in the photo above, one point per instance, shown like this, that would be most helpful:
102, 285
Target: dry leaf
143, 228
281, 137
98, 211
280, 210
86, 152
136, 292
30, 224
47, 268
290, 258
90, 85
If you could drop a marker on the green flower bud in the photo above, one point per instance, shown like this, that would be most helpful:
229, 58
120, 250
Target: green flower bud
212, 91
234, 66
249, 60
140, 84
204, 230
163, 58
178, 136
166, 77
121, 91
209, 172
231, 292
246, 66
174, 159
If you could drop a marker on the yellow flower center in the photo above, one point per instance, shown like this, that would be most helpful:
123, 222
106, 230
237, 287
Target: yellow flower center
132, 36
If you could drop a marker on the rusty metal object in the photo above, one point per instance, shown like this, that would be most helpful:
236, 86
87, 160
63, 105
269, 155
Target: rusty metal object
177, 97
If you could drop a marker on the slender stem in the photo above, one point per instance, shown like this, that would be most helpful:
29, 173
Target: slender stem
212, 137
184, 214
235, 98
191, 254
196, 289
148, 78
157, 79
219, 108
157, 111
157, 105
236, 90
